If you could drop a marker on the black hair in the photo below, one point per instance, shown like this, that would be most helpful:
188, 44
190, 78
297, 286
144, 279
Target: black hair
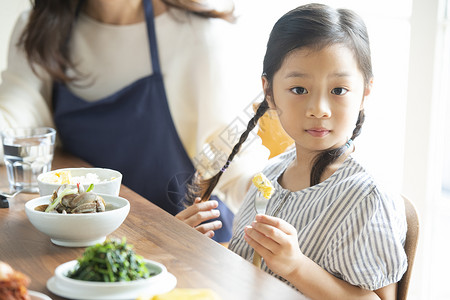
309, 26
317, 26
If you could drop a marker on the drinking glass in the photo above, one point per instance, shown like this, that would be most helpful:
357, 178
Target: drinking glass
28, 152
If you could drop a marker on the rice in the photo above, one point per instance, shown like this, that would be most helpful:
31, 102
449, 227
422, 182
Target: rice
87, 179
64, 177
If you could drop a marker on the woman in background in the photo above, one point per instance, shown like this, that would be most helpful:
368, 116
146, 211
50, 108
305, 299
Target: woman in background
125, 83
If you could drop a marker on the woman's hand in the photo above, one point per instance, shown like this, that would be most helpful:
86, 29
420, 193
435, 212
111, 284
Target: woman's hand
200, 212
277, 242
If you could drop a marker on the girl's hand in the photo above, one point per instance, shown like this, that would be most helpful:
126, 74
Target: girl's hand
277, 242
200, 212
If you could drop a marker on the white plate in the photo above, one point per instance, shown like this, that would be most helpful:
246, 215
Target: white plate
38, 296
168, 283
63, 286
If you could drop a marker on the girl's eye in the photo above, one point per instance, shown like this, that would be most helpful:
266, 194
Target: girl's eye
299, 90
339, 91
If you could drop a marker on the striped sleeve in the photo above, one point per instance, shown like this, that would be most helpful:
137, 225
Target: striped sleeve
367, 249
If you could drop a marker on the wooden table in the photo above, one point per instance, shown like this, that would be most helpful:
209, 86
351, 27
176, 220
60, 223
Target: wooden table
196, 261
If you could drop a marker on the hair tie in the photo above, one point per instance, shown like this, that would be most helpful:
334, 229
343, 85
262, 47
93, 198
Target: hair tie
225, 166
349, 143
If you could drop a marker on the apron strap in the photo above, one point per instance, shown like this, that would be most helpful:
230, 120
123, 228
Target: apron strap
149, 17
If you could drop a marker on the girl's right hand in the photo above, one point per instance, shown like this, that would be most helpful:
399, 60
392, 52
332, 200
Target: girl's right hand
200, 212
277, 242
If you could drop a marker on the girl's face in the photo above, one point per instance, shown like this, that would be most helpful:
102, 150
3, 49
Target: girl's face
318, 95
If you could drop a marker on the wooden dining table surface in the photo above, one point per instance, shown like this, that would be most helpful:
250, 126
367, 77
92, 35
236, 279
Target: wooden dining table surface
195, 260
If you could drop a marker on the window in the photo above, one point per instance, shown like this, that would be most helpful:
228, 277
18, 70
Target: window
440, 260
446, 99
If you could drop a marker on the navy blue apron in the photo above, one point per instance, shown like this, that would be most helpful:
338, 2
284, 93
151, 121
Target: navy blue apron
132, 131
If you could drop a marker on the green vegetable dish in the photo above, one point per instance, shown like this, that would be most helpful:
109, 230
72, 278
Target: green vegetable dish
112, 261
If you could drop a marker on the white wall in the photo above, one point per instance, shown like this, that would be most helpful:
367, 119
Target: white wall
9, 11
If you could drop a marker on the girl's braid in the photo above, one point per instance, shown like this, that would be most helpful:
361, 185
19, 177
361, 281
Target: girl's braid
204, 188
359, 124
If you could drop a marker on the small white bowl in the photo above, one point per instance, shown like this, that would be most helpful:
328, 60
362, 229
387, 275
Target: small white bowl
78, 230
110, 180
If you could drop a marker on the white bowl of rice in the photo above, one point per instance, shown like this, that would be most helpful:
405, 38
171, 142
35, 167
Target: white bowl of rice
106, 181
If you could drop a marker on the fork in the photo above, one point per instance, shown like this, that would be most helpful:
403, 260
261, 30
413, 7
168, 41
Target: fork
260, 207
10, 195
4, 203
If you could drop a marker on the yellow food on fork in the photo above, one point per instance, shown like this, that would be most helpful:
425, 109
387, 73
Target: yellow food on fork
263, 185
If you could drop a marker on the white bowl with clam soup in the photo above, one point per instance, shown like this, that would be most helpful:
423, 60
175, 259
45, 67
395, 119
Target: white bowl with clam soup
77, 229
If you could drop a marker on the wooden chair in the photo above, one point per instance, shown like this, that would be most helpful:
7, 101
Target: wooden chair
412, 236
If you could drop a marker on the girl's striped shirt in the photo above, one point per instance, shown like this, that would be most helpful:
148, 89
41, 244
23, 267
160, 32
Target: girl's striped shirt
345, 224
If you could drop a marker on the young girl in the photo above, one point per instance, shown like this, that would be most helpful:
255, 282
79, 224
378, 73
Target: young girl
329, 230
